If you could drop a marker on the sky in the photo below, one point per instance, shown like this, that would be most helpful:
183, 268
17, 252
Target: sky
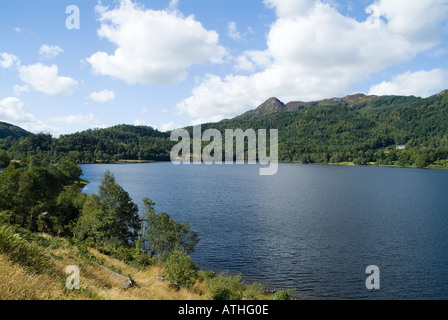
72, 65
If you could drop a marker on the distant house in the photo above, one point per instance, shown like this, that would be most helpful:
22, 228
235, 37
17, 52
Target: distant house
401, 147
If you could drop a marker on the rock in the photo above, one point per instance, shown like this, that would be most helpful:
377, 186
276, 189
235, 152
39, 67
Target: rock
129, 283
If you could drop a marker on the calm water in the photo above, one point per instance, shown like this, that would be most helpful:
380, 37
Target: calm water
312, 228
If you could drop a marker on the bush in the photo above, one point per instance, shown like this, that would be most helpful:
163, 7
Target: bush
180, 269
254, 292
206, 275
225, 287
282, 295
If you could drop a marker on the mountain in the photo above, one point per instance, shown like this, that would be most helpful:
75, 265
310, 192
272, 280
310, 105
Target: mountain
271, 105
274, 105
358, 129
10, 130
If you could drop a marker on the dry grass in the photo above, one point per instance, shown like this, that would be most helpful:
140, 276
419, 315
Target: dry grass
101, 276
17, 283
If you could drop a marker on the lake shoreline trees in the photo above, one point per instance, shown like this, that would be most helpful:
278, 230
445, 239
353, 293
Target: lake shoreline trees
356, 129
41, 201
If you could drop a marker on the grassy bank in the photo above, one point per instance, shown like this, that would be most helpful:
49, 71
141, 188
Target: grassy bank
38, 273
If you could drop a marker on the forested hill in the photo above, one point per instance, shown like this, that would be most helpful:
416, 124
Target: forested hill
357, 128
12, 131
121, 142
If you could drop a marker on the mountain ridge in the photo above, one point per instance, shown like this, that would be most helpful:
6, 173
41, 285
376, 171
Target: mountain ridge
273, 104
356, 129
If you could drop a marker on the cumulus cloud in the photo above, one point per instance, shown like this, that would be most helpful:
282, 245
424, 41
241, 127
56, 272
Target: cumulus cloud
7, 60
243, 63
315, 52
420, 21
20, 89
290, 8
46, 79
11, 111
169, 126
153, 47
421, 83
76, 119
49, 52
102, 96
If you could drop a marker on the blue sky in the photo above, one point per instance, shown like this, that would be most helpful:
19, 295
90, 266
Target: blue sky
169, 64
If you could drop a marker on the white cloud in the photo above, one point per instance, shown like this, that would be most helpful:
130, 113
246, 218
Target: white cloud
287, 8
76, 119
20, 89
242, 63
232, 31
102, 96
418, 20
7, 60
253, 60
169, 126
315, 52
11, 111
18, 30
173, 5
46, 79
49, 52
138, 122
421, 83
153, 47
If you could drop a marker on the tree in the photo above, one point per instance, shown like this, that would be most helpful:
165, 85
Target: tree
4, 160
422, 160
92, 222
163, 235
69, 205
180, 269
70, 171
122, 222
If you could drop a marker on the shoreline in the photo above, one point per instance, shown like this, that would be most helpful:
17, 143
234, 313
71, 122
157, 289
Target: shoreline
348, 164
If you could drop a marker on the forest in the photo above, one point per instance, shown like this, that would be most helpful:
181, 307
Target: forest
362, 131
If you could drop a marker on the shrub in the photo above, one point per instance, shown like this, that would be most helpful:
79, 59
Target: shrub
180, 269
282, 295
226, 287
254, 292
205, 275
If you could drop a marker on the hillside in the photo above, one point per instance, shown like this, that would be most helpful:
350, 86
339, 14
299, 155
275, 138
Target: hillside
33, 267
101, 277
357, 129
9, 130
121, 142
273, 105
